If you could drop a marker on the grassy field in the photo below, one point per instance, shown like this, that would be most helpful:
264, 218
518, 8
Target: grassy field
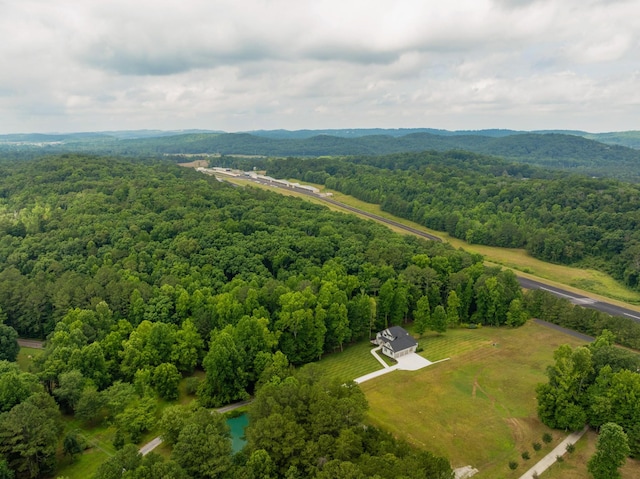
355, 361
598, 284
477, 409
25, 357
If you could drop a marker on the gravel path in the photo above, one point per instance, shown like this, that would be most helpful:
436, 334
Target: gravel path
548, 460
31, 343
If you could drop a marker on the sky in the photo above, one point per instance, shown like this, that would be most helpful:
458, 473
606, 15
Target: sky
240, 65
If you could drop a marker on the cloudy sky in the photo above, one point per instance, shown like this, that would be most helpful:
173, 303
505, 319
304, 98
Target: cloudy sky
234, 65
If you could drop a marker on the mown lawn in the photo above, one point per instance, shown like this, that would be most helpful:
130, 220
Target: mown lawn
26, 356
479, 407
355, 361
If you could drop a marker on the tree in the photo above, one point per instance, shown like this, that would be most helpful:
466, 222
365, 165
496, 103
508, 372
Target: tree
438, 320
166, 379
5, 472
611, 453
203, 448
422, 315
186, 352
137, 418
90, 405
226, 379
29, 435
453, 307
72, 445
173, 421
260, 466
517, 315
9, 347
70, 389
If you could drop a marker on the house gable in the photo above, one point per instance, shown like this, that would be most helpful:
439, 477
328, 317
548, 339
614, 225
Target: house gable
396, 341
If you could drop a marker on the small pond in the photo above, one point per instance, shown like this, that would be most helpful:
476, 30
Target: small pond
237, 425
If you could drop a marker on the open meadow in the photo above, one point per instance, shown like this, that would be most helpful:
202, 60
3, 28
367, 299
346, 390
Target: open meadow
478, 408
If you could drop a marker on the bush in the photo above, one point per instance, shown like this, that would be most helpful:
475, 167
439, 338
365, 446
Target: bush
191, 385
547, 438
559, 458
513, 465
525, 455
534, 475
537, 446
571, 448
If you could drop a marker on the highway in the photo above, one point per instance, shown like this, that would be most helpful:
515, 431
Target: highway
526, 283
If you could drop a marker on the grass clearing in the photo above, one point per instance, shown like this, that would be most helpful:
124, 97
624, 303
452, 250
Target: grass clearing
26, 357
99, 440
479, 408
356, 360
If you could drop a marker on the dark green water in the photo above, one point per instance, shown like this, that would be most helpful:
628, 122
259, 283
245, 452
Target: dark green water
237, 425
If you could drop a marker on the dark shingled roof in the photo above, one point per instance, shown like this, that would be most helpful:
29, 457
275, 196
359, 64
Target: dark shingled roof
402, 339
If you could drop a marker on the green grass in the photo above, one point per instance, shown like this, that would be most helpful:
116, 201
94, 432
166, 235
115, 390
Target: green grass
99, 440
355, 361
25, 357
478, 408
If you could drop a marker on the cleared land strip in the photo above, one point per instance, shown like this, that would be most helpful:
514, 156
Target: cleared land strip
31, 343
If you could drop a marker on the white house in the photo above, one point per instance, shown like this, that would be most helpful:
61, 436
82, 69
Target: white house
395, 342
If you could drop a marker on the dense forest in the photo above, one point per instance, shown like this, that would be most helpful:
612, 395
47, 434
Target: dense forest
138, 272
557, 217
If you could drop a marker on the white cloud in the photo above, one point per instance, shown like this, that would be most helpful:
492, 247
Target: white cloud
238, 65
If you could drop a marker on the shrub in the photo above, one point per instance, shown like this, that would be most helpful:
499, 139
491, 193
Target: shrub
559, 458
537, 446
513, 465
571, 448
534, 475
525, 455
547, 438
191, 385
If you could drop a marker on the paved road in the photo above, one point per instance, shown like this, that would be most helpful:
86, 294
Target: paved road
581, 300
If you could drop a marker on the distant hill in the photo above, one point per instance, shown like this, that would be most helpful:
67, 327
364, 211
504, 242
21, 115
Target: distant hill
566, 151
360, 132
630, 139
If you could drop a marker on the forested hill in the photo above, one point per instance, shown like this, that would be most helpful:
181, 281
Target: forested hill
555, 150
557, 217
